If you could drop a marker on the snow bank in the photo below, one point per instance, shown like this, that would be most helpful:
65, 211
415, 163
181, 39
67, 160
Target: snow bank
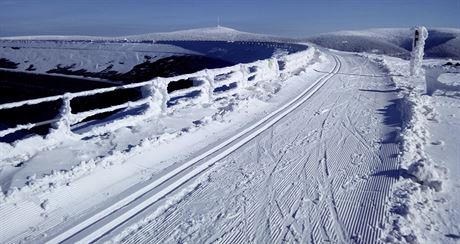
417, 110
415, 195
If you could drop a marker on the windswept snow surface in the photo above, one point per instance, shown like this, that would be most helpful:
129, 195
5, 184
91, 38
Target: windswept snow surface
347, 151
76, 178
425, 199
321, 174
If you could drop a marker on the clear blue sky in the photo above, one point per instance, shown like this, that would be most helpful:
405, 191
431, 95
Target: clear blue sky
295, 18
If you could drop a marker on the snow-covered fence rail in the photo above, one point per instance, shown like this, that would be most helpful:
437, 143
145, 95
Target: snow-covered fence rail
209, 84
295, 61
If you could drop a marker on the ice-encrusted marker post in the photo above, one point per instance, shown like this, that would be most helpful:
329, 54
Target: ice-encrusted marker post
418, 45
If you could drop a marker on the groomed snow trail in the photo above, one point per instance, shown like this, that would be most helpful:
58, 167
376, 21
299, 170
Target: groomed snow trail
320, 174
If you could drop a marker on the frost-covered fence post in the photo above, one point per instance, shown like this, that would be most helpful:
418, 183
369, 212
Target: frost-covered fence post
244, 80
273, 64
65, 116
147, 93
208, 87
161, 94
157, 92
418, 44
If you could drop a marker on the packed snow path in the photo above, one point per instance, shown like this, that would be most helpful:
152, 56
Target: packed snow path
322, 173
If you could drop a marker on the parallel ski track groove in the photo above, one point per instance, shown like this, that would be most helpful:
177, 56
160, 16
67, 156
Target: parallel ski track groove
239, 140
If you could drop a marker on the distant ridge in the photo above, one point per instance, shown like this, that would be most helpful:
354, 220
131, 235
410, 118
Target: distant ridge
441, 42
219, 33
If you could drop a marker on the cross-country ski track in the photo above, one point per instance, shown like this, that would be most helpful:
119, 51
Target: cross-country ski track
319, 169
315, 163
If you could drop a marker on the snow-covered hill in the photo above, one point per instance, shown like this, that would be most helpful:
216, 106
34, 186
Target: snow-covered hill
122, 58
44, 56
441, 42
218, 33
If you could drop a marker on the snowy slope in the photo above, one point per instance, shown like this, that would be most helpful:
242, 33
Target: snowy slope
307, 179
218, 33
171, 138
441, 42
113, 57
347, 151
42, 56
317, 166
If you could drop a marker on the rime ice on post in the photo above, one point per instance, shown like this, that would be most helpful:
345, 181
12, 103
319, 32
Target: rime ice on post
418, 44
65, 113
157, 92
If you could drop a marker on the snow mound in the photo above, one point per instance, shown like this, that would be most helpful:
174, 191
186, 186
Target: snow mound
418, 197
442, 42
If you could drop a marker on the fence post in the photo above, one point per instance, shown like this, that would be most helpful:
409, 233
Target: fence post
163, 96
274, 65
65, 115
208, 88
157, 92
244, 80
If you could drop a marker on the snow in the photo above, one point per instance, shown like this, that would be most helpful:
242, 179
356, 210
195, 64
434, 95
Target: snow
109, 58
443, 42
315, 146
449, 79
426, 198
92, 57
292, 182
219, 33
131, 157
157, 98
75, 158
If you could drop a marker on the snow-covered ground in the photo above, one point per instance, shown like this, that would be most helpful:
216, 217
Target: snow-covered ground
425, 201
340, 142
350, 150
42, 177
308, 178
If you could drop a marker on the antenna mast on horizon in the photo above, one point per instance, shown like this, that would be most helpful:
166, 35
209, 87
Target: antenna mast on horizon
218, 21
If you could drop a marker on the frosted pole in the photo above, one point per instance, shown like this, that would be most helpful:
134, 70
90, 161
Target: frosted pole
418, 45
